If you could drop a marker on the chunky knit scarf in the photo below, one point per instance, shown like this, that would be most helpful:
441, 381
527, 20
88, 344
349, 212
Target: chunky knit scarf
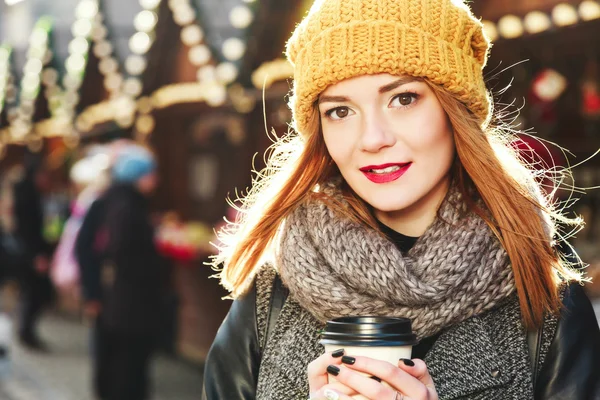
336, 267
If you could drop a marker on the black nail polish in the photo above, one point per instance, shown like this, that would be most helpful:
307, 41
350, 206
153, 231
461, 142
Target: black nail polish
337, 353
333, 370
407, 362
348, 360
375, 378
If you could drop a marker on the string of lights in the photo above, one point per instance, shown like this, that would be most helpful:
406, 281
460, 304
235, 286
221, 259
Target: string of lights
563, 14
38, 56
271, 72
8, 92
212, 76
121, 106
87, 21
216, 73
5, 75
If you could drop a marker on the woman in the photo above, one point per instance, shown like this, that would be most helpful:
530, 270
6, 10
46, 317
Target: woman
398, 198
89, 177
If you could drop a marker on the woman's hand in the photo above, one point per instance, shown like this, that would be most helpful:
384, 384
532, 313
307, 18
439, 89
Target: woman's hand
318, 377
410, 380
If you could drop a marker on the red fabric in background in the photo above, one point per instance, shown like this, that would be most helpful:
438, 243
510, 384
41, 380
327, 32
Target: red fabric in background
540, 155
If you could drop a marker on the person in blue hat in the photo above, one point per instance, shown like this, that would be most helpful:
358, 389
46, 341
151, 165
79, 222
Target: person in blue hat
122, 277
136, 166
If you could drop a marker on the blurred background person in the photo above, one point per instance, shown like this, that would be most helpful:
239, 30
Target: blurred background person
36, 289
90, 179
122, 277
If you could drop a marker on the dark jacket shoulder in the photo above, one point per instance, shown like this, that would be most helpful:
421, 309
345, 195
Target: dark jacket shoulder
572, 366
232, 365
233, 362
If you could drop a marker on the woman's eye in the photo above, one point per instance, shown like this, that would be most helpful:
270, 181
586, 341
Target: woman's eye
404, 99
338, 113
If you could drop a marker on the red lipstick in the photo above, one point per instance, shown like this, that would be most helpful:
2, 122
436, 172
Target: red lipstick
386, 172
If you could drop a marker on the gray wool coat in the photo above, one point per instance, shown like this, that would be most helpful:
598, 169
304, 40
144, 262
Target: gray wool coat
483, 357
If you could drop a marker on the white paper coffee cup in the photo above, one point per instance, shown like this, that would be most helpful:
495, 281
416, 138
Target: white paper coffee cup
382, 338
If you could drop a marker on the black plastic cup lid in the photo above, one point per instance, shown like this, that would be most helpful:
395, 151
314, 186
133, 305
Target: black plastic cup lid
369, 331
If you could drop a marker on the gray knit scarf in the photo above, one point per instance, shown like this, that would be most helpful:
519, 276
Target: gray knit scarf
336, 267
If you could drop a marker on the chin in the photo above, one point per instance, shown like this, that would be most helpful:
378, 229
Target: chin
389, 204
390, 208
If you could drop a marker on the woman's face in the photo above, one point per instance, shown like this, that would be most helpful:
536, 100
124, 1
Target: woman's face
393, 144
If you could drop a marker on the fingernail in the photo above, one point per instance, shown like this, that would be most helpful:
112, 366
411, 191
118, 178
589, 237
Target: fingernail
333, 370
375, 378
337, 353
331, 394
348, 360
407, 362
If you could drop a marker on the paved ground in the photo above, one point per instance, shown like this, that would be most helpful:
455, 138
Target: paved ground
64, 373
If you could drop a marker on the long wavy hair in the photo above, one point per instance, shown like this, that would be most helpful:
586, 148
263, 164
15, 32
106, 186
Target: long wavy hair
486, 167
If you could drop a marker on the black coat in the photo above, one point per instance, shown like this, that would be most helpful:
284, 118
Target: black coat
29, 240
483, 357
29, 219
119, 263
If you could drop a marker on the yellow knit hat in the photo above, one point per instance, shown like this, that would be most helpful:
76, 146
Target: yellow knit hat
439, 40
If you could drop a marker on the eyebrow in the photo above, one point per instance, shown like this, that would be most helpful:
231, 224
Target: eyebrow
332, 99
397, 83
384, 89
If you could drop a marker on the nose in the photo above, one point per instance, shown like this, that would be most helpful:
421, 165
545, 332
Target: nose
376, 135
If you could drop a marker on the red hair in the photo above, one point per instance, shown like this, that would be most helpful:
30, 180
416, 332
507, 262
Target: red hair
486, 167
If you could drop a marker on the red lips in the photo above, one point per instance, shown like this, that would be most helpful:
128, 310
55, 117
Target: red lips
386, 176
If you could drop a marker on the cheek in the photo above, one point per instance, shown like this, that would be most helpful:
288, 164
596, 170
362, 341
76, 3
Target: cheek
434, 137
338, 145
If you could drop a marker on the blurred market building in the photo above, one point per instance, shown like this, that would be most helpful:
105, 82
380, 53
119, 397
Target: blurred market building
190, 79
